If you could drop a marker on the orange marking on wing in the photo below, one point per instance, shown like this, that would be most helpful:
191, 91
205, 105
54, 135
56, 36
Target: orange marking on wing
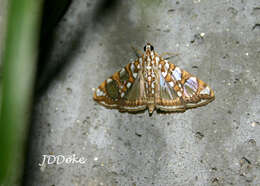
168, 77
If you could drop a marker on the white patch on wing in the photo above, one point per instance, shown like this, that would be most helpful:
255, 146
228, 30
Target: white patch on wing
179, 93
164, 74
122, 72
205, 91
166, 65
152, 54
157, 59
192, 83
128, 85
177, 74
132, 67
109, 80
146, 85
171, 83
100, 92
152, 84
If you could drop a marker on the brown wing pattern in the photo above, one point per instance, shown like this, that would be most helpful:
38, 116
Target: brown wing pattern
187, 90
123, 90
154, 83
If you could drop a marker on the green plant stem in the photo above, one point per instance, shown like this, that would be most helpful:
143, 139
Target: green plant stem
19, 61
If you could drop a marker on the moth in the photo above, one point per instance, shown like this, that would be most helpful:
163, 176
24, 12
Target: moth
153, 82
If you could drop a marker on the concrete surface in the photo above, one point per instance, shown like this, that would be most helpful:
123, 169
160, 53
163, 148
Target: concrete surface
218, 144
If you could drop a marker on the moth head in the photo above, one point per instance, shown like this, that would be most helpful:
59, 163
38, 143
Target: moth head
148, 47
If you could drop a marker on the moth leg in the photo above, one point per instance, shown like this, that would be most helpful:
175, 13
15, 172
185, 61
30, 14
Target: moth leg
169, 55
138, 52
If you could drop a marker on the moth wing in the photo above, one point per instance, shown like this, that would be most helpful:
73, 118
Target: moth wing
124, 90
186, 90
168, 97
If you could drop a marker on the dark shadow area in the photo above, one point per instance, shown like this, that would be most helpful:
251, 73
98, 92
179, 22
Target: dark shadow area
47, 70
53, 11
103, 9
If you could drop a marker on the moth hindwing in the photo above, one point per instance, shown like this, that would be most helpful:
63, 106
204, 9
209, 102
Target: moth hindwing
154, 83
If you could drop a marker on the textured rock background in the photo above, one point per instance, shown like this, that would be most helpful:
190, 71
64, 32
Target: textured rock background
218, 144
